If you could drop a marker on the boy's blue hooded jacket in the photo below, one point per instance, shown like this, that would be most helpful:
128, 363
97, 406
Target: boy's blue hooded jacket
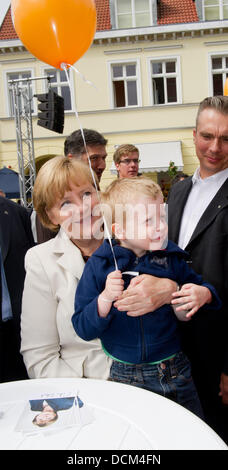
148, 338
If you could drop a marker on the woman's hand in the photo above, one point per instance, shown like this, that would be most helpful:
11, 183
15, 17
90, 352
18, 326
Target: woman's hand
191, 297
145, 294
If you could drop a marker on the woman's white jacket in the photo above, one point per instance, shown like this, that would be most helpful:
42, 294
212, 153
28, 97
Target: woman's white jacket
49, 344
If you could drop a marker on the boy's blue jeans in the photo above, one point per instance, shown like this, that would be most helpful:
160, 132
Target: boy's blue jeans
171, 379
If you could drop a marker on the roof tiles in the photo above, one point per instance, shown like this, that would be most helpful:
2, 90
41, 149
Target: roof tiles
176, 11
169, 11
7, 30
103, 15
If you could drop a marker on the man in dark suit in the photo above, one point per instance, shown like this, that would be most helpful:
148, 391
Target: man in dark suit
15, 239
198, 223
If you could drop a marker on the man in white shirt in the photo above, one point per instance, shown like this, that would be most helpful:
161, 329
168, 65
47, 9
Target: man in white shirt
202, 193
198, 222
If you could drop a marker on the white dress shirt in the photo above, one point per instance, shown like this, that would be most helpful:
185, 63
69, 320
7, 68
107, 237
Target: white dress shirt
200, 196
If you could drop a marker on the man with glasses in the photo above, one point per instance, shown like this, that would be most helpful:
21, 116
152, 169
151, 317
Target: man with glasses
126, 159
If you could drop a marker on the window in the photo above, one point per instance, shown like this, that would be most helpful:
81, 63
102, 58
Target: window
215, 10
60, 85
165, 81
23, 87
133, 13
125, 84
219, 71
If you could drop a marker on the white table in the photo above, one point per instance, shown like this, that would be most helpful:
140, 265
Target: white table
125, 417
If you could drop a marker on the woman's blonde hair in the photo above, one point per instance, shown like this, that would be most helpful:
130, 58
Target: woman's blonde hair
54, 179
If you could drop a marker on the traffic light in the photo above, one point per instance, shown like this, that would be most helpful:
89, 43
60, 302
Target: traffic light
52, 111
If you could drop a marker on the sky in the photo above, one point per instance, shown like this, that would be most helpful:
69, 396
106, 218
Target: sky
4, 4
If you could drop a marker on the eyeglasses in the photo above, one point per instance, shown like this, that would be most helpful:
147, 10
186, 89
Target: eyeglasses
127, 161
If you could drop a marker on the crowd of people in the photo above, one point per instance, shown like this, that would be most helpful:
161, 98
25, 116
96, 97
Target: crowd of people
68, 295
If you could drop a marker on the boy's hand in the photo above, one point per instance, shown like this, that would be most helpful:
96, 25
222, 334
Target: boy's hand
191, 297
114, 286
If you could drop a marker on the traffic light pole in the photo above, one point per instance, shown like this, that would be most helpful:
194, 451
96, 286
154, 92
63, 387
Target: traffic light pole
22, 98
51, 111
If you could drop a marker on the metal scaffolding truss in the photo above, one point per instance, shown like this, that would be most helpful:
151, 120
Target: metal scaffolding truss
22, 98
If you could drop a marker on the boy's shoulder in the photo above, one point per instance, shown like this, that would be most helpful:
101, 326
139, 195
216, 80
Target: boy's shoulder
109, 250
123, 255
171, 249
103, 252
105, 249
174, 248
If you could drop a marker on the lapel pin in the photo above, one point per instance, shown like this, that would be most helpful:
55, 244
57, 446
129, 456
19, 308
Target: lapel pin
219, 207
6, 212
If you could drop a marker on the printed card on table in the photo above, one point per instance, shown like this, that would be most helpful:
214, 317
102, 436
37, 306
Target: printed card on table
52, 412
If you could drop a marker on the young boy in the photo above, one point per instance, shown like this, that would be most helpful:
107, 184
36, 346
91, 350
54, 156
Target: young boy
146, 350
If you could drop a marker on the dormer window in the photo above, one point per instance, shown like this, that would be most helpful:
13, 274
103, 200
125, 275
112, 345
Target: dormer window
133, 13
215, 10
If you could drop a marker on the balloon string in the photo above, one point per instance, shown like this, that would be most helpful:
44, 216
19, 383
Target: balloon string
82, 76
64, 67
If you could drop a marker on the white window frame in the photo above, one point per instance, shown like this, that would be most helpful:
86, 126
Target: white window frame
19, 71
58, 85
214, 55
138, 82
176, 74
221, 5
132, 12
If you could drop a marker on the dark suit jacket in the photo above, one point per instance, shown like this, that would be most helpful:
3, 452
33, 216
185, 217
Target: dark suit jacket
15, 239
205, 337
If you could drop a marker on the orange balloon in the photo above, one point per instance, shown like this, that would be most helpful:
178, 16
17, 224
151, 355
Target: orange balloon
226, 88
55, 31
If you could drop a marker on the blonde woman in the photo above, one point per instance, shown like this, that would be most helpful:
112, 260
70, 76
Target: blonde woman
64, 195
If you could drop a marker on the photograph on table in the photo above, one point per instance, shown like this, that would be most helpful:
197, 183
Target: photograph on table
53, 413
